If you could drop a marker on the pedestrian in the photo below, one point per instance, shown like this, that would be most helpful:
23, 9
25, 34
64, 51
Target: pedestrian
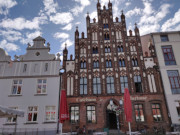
84, 129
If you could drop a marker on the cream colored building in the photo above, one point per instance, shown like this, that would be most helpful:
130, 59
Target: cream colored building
166, 46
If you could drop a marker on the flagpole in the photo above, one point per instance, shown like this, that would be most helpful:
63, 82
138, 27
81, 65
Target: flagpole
129, 128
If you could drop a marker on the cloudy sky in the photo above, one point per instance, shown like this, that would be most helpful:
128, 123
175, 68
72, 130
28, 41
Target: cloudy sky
56, 20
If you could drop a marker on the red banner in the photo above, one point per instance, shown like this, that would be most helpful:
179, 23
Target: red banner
127, 106
63, 113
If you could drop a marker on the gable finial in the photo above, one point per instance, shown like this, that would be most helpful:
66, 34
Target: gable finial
122, 11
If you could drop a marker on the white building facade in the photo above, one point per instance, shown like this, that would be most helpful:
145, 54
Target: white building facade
31, 83
167, 48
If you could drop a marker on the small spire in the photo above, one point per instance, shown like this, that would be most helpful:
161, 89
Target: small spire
65, 45
135, 24
98, 1
122, 11
76, 27
109, 1
87, 13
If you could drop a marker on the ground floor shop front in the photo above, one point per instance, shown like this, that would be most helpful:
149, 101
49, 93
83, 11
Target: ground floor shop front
96, 113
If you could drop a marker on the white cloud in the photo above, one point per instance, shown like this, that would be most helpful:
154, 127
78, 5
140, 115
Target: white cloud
67, 27
116, 5
148, 8
21, 23
127, 4
77, 23
8, 46
149, 28
83, 2
62, 18
10, 35
59, 35
169, 24
104, 2
67, 42
135, 11
150, 19
50, 6
93, 15
5, 5
79, 8
30, 36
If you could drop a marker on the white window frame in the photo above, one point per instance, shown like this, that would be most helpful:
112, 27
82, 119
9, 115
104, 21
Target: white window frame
41, 84
51, 112
33, 112
11, 120
17, 86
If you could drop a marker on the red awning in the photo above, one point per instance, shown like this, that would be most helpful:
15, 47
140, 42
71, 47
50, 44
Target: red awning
127, 106
63, 113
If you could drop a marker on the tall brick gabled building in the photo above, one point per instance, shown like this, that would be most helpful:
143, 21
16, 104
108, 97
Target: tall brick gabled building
106, 62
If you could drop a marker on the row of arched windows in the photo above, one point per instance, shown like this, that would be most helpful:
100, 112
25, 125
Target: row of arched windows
109, 63
110, 88
107, 49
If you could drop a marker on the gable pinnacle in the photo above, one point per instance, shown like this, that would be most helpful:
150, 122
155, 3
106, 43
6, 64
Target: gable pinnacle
122, 11
135, 24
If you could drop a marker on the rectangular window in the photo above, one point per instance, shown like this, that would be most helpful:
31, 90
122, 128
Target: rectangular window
134, 62
139, 115
96, 85
41, 87
156, 111
110, 84
164, 38
32, 114
138, 86
95, 50
107, 49
178, 107
121, 63
17, 87
74, 114
11, 119
91, 114
83, 64
124, 83
120, 48
95, 64
46, 67
50, 113
108, 64
174, 81
25, 68
168, 55
83, 86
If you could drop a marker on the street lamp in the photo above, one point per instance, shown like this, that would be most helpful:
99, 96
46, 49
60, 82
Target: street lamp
118, 109
61, 71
